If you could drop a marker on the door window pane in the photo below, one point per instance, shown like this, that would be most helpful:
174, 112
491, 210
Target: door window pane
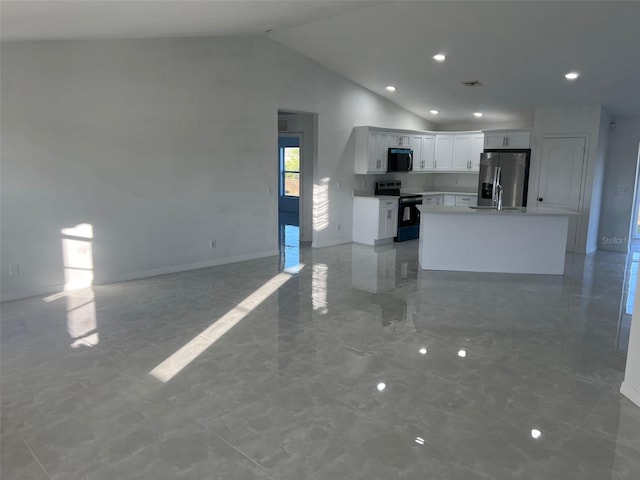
292, 159
292, 184
290, 171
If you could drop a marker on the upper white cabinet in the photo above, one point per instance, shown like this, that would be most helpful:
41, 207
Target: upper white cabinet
477, 147
424, 155
507, 139
432, 151
399, 140
370, 150
444, 152
461, 152
467, 148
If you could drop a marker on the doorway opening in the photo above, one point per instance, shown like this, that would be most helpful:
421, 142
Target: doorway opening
289, 153
297, 133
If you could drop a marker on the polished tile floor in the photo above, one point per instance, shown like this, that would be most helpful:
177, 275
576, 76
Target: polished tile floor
353, 365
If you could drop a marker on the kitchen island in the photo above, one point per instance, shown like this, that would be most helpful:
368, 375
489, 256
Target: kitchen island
530, 240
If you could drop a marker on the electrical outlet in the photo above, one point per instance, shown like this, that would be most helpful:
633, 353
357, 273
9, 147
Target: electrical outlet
212, 243
14, 270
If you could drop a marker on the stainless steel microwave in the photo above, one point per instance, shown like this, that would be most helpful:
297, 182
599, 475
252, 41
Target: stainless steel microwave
400, 160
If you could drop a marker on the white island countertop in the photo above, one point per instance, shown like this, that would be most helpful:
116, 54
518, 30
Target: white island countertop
467, 210
530, 240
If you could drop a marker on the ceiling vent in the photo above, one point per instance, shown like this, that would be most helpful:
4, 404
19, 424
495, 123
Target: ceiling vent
472, 83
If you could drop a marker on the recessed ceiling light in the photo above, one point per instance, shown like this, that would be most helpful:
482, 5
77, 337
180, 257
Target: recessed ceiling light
572, 75
423, 351
462, 353
440, 57
535, 433
390, 88
477, 114
434, 112
381, 386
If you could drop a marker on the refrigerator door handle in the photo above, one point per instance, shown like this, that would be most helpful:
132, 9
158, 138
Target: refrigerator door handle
496, 180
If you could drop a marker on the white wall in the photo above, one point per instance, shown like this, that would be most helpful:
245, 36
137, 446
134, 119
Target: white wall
162, 145
592, 122
620, 175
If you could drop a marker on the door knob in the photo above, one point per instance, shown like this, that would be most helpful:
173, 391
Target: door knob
540, 199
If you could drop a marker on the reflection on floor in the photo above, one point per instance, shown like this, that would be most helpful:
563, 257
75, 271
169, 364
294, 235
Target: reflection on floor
628, 297
289, 241
359, 366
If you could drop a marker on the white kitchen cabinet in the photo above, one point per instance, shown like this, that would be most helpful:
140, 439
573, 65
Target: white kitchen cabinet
443, 152
466, 200
477, 147
370, 150
461, 152
507, 139
399, 139
467, 148
429, 152
423, 162
415, 144
449, 200
437, 199
375, 220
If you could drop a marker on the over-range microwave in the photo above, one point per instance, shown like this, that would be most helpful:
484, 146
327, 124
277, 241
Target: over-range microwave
400, 160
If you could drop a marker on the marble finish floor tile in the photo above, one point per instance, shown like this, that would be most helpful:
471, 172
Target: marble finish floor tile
359, 365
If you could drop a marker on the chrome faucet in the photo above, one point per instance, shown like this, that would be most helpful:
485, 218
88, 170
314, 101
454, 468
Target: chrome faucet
497, 189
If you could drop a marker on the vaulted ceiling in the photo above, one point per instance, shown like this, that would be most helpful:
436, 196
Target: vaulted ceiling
519, 50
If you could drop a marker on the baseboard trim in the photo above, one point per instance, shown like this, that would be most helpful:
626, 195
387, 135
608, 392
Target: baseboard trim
630, 392
333, 243
124, 277
154, 272
30, 292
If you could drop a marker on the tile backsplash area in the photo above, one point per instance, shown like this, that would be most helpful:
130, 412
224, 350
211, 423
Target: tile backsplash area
456, 181
466, 182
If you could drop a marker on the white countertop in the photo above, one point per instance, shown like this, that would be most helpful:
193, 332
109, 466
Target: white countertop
466, 210
371, 195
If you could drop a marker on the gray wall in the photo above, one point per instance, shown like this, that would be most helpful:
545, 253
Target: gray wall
620, 176
162, 145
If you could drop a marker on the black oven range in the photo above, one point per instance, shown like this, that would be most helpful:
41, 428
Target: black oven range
408, 213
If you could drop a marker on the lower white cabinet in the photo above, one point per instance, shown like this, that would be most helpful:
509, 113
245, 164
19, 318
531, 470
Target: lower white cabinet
466, 200
449, 200
433, 199
375, 220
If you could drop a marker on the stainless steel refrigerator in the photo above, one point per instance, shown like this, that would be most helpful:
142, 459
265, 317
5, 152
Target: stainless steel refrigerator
508, 169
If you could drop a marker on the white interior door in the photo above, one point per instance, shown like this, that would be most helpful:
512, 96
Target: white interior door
561, 164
